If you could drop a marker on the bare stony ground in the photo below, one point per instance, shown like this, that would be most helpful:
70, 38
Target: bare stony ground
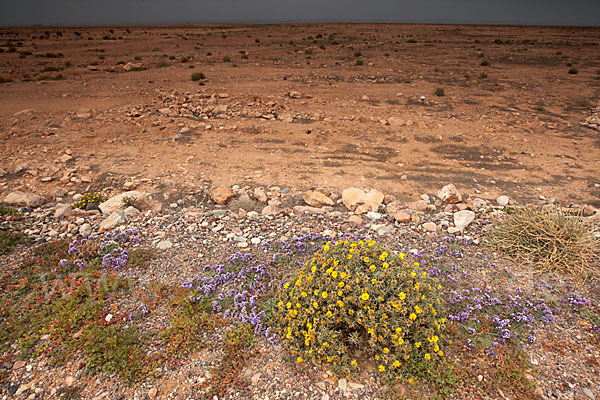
265, 145
292, 107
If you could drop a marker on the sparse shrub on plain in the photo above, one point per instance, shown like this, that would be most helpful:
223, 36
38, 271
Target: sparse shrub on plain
226, 59
439, 92
485, 63
197, 76
483, 75
359, 62
550, 239
573, 71
354, 300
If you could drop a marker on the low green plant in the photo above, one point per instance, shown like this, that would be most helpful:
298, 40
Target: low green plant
9, 239
117, 350
226, 59
439, 92
239, 342
188, 322
550, 239
484, 63
483, 75
355, 300
359, 62
88, 198
5, 80
573, 71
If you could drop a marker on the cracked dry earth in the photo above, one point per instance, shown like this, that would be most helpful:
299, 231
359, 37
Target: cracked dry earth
289, 104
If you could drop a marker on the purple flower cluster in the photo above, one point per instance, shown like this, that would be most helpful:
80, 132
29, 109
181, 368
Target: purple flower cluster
115, 255
235, 288
116, 259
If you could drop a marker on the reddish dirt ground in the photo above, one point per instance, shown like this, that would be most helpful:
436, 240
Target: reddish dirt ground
304, 106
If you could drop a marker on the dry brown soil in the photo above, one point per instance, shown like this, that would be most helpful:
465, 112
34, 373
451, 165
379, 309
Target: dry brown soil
517, 131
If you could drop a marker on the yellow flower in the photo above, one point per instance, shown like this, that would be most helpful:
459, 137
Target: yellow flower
411, 381
413, 274
418, 344
413, 316
303, 294
401, 256
418, 309
427, 356
353, 363
441, 353
324, 295
340, 303
396, 364
334, 274
385, 265
402, 295
300, 359
341, 284
340, 293
313, 269
286, 285
381, 368
372, 268
365, 296
315, 304
398, 330
373, 281
289, 305
386, 350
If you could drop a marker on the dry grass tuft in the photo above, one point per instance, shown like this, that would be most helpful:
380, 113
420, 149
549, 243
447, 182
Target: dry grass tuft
550, 239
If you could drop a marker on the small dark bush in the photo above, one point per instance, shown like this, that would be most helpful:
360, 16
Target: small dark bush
196, 76
226, 59
573, 71
485, 63
439, 92
359, 62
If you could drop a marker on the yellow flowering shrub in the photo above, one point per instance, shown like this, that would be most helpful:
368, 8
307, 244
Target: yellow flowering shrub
88, 198
353, 301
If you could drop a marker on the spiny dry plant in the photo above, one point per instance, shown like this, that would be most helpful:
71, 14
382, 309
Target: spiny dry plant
550, 239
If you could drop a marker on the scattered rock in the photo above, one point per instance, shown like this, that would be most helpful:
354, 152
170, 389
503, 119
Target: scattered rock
352, 197
63, 211
260, 195
361, 202
402, 217
164, 245
131, 212
112, 221
116, 202
479, 203
430, 226
463, 218
396, 122
355, 219
449, 194
343, 384
152, 393
317, 199
18, 365
221, 194
419, 205
26, 199
85, 230
503, 200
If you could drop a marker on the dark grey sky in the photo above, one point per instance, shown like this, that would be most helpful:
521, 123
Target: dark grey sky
95, 12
